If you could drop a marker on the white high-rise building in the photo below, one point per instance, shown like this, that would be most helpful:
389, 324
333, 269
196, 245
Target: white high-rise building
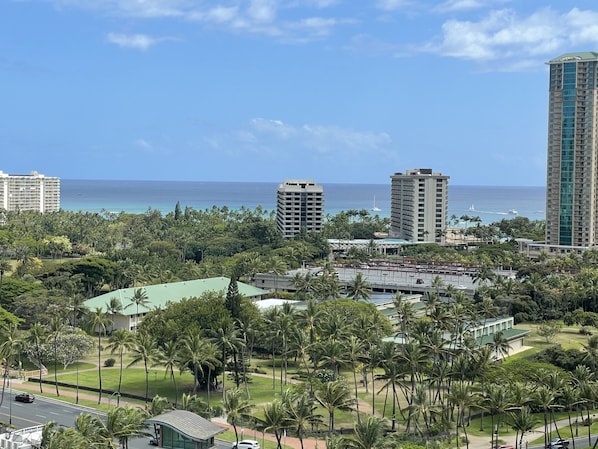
29, 192
418, 206
299, 205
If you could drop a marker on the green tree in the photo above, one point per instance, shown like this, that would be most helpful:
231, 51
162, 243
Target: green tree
120, 341
145, 349
335, 395
237, 407
98, 323
139, 298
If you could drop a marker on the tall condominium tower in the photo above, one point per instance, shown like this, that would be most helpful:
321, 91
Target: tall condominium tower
299, 205
572, 166
418, 206
29, 192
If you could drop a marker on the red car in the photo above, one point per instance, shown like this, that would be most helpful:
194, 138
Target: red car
24, 397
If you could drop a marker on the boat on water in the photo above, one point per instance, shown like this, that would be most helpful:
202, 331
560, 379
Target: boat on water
374, 207
471, 207
513, 212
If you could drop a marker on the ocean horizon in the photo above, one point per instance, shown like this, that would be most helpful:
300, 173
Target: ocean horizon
490, 203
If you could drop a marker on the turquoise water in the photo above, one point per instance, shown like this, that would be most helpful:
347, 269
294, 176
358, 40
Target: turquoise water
490, 203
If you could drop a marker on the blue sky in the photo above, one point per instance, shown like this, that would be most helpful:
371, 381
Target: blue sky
265, 90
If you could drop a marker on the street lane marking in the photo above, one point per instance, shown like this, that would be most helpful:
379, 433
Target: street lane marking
22, 419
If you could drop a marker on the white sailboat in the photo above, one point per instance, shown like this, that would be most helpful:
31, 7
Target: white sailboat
374, 207
471, 207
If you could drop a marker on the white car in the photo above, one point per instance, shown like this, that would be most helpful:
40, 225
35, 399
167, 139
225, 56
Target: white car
246, 444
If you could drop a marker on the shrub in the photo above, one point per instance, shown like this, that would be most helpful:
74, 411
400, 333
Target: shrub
108, 363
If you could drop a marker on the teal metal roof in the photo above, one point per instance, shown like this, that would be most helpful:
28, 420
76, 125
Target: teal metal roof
576, 56
192, 426
160, 294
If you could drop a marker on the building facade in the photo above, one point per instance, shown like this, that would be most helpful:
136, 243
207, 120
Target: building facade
418, 206
572, 165
299, 205
29, 192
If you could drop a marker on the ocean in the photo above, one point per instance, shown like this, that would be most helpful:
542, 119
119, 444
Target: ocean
490, 203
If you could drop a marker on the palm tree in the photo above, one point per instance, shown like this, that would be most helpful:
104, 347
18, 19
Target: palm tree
35, 339
275, 419
170, 358
228, 340
301, 413
192, 354
145, 349
120, 341
368, 434
11, 346
496, 401
56, 328
359, 288
113, 307
523, 421
335, 395
139, 298
500, 345
237, 407
98, 322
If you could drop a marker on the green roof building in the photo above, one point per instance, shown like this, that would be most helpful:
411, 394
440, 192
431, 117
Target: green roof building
159, 295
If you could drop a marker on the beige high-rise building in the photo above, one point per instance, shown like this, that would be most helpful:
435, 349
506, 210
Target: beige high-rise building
299, 205
418, 206
29, 192
572, 165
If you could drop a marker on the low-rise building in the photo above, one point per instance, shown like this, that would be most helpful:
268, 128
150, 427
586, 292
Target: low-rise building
158, 296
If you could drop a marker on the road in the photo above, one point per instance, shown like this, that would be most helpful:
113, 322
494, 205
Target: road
44, 410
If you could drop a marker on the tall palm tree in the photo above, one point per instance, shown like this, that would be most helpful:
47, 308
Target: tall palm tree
139, 298
145, 349
275, 419
237, 407
56, 328
120, 341
99, 322
301, 414
227, 339
335, 395
10, 347
170, 358
36, 337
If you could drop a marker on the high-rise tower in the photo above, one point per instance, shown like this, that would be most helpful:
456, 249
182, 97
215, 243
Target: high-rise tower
572, 165
29, 192
299, 205
418, 205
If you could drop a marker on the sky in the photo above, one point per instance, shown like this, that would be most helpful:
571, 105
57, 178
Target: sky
337, 91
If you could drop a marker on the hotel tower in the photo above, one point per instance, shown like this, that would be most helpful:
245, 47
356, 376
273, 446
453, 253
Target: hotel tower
572, 165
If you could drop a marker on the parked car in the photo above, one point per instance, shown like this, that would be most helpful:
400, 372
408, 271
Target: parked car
557, 443
246, 444
24, 397
503, 446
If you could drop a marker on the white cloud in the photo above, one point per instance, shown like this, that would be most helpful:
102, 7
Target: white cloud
135, 41
504, 35
262, 10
